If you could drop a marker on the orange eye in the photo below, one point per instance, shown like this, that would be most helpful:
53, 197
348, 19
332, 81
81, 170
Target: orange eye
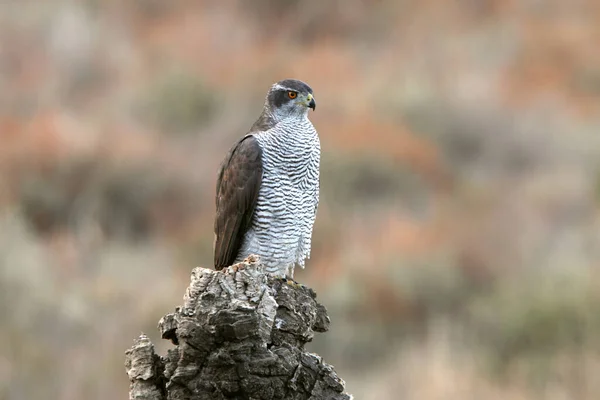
292, 95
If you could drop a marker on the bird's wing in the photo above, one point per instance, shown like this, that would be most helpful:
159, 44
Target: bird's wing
238, 184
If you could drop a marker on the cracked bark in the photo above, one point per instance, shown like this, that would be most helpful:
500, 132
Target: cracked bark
240, 334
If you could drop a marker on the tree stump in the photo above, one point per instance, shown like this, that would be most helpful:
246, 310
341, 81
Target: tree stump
240, 334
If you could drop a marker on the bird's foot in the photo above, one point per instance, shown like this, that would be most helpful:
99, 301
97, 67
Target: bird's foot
291, 282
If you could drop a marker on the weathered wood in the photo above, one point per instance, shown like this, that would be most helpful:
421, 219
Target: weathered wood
240, 334
144, 369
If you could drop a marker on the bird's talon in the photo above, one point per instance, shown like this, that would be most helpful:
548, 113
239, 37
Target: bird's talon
293, 283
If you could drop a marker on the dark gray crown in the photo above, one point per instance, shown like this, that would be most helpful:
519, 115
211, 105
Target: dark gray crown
294, 84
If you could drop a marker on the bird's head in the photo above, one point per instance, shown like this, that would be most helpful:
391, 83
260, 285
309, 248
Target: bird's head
289, 98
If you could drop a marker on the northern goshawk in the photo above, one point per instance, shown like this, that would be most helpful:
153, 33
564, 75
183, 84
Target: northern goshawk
268, 185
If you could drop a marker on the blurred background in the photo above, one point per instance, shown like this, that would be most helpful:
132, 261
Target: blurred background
457, 241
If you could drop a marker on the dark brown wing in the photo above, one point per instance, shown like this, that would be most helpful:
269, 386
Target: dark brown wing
238, 183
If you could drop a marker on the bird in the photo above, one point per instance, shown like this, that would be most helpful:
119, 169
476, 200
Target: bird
267, 190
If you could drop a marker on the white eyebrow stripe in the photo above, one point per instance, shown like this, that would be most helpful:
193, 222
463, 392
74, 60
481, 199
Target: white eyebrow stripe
279, 87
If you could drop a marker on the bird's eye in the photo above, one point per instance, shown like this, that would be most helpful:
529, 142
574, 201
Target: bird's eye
292, 95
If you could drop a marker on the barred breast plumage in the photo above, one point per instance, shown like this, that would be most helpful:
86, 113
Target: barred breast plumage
268, 186
281, 230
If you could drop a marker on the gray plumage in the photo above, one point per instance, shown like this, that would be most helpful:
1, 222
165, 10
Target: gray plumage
268, 185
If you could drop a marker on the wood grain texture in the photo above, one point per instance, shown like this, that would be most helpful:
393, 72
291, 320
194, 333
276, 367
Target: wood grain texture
144, 369
240, 334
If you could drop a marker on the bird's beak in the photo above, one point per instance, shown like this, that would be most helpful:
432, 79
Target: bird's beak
311, 102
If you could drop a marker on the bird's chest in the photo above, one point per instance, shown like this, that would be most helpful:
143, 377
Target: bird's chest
295, 169
289, 189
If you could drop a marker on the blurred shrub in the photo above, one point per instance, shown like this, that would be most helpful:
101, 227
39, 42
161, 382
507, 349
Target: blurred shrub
373, 181
433, 286
127, 200
588, 80
62, 327
177, 102
153, 8
597, 186
535, 319
309, 21
475, 138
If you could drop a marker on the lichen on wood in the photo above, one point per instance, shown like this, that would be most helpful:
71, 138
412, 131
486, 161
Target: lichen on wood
240, 334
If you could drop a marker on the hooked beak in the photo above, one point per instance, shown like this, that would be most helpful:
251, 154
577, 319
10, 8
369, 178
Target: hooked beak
311, 102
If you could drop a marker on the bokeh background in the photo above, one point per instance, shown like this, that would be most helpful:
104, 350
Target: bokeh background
457, 242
